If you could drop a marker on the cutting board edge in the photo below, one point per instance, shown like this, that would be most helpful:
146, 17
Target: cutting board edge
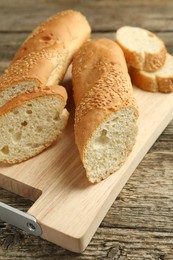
79, 244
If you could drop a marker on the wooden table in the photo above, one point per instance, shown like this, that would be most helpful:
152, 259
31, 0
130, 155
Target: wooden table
139, 224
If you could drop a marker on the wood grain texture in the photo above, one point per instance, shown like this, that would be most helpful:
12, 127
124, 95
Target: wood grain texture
103, 15
57, 179
139, 224
125, 232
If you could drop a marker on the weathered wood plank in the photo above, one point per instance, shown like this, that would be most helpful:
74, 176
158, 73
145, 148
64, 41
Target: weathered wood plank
147, 199
108, 243
138, 224
103, 15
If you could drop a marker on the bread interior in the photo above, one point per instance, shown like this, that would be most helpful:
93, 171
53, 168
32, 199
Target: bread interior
28, 129
138, 39
19, 88
110, 144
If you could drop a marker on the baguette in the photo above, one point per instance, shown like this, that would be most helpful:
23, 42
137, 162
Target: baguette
45, 56
142, 49
37, 69
106, 110
30, 122
159, 81
66, 30
41, 62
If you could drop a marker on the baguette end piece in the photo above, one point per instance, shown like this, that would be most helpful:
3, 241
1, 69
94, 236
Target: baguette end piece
110, 144
30, 123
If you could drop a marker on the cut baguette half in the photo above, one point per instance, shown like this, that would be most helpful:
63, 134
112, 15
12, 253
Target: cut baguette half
106, 110
66, 30
44, 57
142, 49
38, 69
31, 122
41, 62
108, 146
159, 81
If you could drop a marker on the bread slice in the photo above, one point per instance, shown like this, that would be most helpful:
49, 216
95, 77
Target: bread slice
142, 49
30, 122
106, 110
159, 81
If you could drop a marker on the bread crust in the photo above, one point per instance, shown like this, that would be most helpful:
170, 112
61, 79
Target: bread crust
40, 64
46, 54
21, 99
145, 83
32, 94
143, 60
89, 58
36, 67
165, 85
66, 30
101, 86
153, 82
154, 61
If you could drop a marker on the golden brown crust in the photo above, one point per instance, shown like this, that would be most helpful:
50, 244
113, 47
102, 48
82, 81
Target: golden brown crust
46, 54
50, 45
148, 62
65, 30
42, 62
165, 85
152, 83
155, 61
30, 95
89, 59
101, 86
35, 67
145, 83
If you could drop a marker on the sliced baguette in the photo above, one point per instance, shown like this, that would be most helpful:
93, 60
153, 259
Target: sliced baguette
142, 49
106, 111
159, 81
40, 62
38, 69
45, 55
30, 122
66, 30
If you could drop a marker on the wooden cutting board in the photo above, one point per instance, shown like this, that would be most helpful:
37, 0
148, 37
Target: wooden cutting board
67, 207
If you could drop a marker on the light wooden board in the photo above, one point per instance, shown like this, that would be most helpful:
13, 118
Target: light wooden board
68, 208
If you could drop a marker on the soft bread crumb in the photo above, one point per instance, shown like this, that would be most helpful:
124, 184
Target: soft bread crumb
110, 144
8, 93
30, 128
139, 40
142, 49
